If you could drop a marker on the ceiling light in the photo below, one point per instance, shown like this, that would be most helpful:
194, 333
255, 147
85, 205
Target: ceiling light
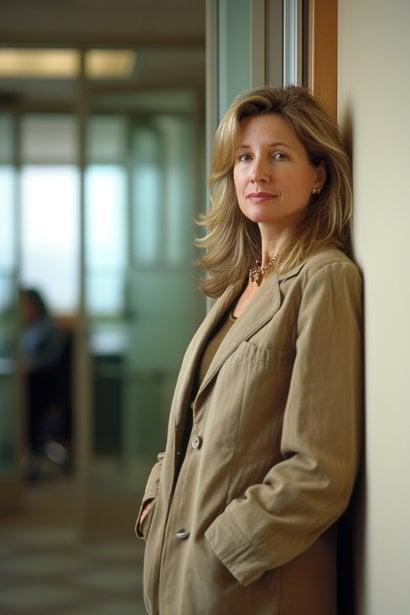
65, 63
105, 64
60, 63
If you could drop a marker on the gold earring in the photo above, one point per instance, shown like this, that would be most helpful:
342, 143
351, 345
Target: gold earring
316, 191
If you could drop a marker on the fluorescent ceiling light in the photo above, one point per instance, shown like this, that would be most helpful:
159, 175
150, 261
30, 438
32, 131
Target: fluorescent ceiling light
65, 63
103, 64
62, 63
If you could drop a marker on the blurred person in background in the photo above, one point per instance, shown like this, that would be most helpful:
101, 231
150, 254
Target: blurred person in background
45, 356
42, 339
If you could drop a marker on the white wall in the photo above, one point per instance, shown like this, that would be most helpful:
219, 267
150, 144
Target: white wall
374, 107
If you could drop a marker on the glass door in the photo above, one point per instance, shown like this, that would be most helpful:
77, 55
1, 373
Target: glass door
142, 190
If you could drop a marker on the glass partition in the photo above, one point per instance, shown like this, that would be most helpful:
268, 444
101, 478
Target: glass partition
234, 50
50, 209
49, 231
141, 300
163, 299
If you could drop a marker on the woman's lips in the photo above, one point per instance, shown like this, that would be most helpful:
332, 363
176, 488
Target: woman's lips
259, 197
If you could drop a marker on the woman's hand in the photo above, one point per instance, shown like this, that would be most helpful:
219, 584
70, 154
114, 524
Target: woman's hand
145, 511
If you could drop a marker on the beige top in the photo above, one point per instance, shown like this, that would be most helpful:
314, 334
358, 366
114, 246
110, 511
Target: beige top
214, 342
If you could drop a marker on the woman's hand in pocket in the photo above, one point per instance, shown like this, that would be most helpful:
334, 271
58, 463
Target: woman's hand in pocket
146, 510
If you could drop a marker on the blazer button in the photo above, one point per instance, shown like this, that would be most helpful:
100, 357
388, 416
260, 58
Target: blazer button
182, 534
196, 442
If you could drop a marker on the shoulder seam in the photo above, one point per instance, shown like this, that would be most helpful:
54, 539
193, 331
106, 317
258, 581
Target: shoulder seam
349, 264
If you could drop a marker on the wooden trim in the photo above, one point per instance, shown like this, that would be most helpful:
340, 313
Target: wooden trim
322, 62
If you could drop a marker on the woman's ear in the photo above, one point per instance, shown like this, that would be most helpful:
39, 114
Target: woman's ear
321, 174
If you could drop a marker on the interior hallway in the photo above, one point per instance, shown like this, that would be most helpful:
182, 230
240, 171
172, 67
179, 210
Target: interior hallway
46, 568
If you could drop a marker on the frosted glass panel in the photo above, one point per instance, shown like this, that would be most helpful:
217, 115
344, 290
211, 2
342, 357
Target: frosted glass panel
141, 297
6, 302
7, 217
179, 189
6, 138
164, 302
49, 139
106, 238
105, 294
106, 216
50, 233
234, 50
148, 196
107, 139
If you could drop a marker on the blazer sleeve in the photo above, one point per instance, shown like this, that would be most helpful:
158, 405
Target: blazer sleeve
306, 492
151, 490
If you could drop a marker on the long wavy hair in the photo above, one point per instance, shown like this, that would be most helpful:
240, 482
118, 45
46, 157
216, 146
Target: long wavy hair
232, 242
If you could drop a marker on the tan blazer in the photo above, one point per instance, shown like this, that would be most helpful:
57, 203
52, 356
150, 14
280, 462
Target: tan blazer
249, 527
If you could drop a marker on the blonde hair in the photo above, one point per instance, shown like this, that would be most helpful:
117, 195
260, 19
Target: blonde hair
232, 241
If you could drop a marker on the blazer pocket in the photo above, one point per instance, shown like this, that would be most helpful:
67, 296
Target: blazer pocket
267, 355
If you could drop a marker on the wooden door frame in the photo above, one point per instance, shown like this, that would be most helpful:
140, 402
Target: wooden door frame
322, 52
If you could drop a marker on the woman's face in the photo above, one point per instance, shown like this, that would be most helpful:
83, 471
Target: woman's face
272, 173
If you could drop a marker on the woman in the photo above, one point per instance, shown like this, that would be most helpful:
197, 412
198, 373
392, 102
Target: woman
239, 513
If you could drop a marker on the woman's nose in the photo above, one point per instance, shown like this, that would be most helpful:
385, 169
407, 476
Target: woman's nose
260, 171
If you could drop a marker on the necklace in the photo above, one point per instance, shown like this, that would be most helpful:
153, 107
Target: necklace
258, 271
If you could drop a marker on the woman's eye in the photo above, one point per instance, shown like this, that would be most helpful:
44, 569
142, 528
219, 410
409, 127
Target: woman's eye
244, 157
279, 156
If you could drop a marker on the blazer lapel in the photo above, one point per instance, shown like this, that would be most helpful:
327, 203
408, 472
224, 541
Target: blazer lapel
196, 347
261, 309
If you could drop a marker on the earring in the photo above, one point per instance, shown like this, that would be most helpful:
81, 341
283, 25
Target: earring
315, 191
